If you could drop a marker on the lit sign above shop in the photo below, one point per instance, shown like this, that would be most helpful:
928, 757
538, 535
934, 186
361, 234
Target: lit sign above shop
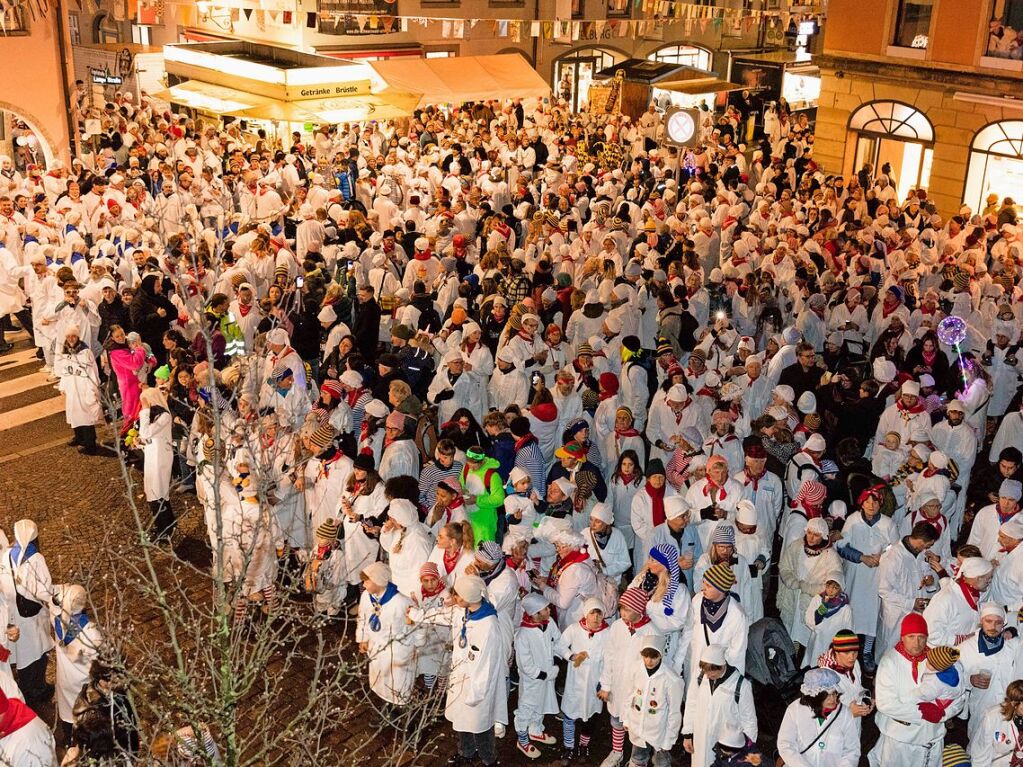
103, 77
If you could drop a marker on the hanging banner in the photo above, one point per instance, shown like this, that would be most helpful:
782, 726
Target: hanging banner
357, 17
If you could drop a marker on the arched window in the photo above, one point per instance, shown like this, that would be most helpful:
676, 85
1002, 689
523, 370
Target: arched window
574, 72
996, 163
687, 55
895, 139
892, 119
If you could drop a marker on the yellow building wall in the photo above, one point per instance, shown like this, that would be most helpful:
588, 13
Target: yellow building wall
955, 124
857, 26
33, 84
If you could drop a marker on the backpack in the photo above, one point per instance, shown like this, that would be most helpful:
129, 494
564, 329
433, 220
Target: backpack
771, 656
646, 361
607, 588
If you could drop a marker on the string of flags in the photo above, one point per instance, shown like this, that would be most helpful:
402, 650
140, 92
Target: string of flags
334, 17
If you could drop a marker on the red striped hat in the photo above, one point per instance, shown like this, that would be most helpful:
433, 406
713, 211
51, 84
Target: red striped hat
635, 599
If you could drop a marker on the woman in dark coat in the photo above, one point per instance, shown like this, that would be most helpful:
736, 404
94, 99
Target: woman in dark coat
926, 356
152, 314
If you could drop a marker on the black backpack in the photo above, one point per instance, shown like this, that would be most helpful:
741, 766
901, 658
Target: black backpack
646, 361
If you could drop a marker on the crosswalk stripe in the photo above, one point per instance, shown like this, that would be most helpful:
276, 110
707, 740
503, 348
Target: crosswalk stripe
33, 412
23, 357
22, 384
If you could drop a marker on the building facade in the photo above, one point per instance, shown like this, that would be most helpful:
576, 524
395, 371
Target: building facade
933, 88
35, 88
436, 28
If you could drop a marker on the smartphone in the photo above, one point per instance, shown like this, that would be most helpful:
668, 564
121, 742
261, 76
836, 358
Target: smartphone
299, 281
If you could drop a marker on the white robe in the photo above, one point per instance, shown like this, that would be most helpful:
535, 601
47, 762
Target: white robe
74, 660
534, 655
79, 382
861, 581
707, 710
1002, 668
476, 679
157, 453
800, 731
579, 700
391, 649
733, 634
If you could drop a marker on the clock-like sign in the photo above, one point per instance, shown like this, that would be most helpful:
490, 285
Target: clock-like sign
680, 127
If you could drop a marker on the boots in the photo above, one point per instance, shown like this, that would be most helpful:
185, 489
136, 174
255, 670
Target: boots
163, 520
77, 439
86, 436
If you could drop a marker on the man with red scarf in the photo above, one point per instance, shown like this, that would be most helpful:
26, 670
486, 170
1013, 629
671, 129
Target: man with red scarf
907, 416
954, 612
912, 733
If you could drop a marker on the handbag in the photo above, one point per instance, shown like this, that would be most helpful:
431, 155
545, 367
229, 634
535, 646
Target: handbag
27, 608
779, 762
607, 589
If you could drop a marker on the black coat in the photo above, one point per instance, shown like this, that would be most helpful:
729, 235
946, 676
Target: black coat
145, 317
366, 328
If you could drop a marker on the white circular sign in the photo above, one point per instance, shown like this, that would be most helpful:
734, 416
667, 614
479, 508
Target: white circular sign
681, 127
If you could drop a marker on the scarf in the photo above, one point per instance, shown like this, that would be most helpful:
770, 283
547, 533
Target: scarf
353, 396
244, 309
711, 484
908, 412
450, 560
971, 595
563, 564
15, 716
589, 634
377, 603
815, 551
19, 554
427, 594
829, 607
327, 463
754, 479
623, 433
490, 577
524, 440
656, 503
916, 660
67, 634
712, 614
529, 623
601, 539
828, 660
634, 627
938, 524
989, 646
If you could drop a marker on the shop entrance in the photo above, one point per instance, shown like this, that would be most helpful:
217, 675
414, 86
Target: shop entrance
996, 163
573, 74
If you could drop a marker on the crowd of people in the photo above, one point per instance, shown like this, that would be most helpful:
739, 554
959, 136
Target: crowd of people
567, 419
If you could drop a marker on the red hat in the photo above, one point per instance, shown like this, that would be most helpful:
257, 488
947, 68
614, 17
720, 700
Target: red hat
112, 203
609, 382
913, 623
333, 388
635, 599
874, 491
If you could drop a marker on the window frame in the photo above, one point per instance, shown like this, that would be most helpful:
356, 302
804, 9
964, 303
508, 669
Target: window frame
899, 19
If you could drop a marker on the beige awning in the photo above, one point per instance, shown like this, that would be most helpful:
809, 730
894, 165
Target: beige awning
210, 98
229, 101
457, 79
700, 86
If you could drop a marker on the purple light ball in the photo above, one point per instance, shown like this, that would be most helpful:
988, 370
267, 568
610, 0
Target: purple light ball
952, 330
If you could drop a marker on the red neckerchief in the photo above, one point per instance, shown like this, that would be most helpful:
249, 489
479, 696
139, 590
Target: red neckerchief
428, 594
456, 503
601, 627
917, 408
524, 440
627, 479
712, 484
563, 564
634, 627
452, 560
422, 255
529, 623
886, 312
623, 433
971, 594
16, 716
704, 391
656, 503
244, 309
326, 466
678, 415
916, 660
754, 479
525, 336
322, 551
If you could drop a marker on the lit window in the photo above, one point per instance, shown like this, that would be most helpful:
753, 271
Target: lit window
890, 118
913, 24
683, 55
140, 34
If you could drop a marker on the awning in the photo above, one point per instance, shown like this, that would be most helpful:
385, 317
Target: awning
464, 78
229, 101
698, 87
